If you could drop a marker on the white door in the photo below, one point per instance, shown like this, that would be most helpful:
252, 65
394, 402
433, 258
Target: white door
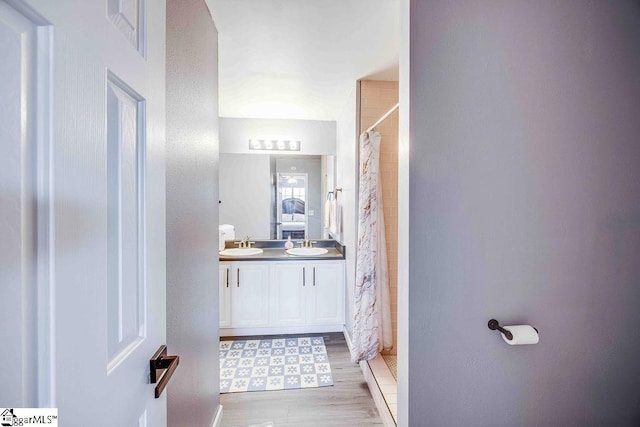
288, 288
224, 280
327, 294
250, 295
82, 173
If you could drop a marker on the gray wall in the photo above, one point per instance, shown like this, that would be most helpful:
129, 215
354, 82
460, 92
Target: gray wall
525, 206
192, 212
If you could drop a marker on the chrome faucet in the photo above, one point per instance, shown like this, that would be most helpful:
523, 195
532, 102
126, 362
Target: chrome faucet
244, 243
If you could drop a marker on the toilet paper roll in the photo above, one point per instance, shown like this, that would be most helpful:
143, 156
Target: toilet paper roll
522, 334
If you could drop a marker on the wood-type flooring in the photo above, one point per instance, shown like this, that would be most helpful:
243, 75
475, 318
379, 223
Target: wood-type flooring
347, 403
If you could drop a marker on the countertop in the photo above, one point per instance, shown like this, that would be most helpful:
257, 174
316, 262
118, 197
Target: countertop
273, 250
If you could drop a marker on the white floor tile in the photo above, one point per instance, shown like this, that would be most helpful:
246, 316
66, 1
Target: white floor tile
391, 398
385, 380
388, 388
394, 409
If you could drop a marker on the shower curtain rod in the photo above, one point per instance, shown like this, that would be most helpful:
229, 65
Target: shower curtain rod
381, 119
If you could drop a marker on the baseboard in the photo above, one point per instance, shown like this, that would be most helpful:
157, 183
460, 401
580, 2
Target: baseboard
217, 420
347, 337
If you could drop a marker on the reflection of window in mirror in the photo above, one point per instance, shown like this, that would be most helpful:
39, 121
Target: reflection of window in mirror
292, 200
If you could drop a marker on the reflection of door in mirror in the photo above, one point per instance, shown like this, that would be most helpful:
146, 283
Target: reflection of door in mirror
291, 205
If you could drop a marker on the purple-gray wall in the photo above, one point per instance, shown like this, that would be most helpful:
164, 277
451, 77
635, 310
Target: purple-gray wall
525, 206
192, 212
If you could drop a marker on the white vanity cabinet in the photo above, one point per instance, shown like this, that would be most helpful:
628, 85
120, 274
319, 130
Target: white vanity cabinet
297, 296
309, 293
224, 280
325, 300
245, 296
288, 284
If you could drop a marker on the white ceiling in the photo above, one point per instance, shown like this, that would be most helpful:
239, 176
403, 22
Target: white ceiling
299, 59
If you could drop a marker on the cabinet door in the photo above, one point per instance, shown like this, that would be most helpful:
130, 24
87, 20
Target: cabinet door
288, 288
326, 302
250, 295
224, 279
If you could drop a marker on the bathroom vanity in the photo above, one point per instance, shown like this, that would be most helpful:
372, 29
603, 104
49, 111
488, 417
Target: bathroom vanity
277, 293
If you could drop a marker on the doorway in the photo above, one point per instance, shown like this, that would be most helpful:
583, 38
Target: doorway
291, 203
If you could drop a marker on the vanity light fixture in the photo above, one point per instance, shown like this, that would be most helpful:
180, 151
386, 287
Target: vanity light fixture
274, 145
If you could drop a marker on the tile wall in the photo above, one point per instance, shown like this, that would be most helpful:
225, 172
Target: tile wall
376, 98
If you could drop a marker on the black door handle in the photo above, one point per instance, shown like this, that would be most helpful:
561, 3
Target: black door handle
160, 361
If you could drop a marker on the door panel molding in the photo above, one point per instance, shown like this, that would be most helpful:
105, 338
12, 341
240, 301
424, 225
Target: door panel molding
126, 247
26, 194
129, 17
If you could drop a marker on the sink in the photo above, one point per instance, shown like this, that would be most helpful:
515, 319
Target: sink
241, 251
307, 251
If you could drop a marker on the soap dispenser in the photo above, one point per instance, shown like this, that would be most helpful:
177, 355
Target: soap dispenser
288, 244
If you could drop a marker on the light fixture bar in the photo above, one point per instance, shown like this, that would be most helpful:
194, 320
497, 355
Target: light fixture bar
274, 145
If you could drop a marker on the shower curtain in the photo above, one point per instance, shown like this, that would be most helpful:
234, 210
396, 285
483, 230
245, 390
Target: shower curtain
372, 315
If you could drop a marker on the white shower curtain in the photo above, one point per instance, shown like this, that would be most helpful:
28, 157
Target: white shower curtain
372, 315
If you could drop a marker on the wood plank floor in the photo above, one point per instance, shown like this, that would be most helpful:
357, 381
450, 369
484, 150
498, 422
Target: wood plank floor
347, 403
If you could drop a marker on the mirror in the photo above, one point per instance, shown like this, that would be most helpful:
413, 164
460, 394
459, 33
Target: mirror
268, 196
291, 209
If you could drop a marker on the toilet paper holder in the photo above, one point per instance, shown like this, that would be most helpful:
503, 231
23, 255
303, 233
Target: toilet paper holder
523, 337
495, 325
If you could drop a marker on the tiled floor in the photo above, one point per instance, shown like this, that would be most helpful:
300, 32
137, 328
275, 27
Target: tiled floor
387, 384
392, 363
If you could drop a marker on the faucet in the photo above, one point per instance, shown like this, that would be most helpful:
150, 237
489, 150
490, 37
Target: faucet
306, 243
244, 243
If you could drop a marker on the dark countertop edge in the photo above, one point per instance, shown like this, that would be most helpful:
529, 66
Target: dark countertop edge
279, 244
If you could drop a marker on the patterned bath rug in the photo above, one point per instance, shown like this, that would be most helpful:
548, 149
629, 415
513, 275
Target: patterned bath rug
274, 364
